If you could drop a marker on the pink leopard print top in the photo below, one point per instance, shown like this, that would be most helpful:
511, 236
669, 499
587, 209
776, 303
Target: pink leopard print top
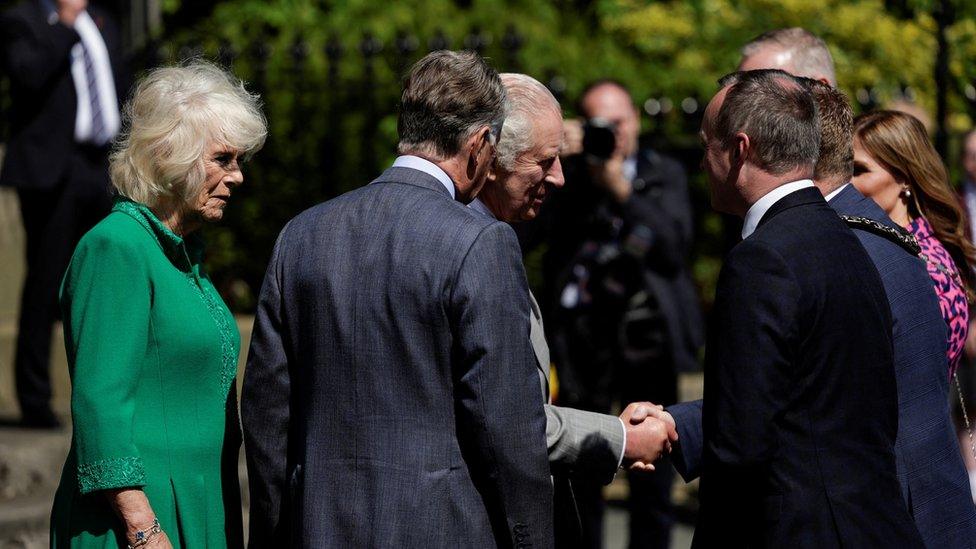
948, 286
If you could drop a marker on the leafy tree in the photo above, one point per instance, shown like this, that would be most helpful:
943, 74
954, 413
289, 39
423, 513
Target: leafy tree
329, 72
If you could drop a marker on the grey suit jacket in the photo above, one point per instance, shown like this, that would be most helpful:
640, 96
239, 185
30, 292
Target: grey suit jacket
581, 443
391, 397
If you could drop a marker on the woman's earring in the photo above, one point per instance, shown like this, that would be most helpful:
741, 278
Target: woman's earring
906, 193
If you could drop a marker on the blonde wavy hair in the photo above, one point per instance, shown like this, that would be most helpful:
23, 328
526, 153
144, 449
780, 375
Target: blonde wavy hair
172, 118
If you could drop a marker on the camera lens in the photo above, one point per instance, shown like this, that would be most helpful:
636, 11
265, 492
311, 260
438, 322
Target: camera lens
599, 140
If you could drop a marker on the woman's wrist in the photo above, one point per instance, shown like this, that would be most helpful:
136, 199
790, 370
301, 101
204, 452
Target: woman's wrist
142, 536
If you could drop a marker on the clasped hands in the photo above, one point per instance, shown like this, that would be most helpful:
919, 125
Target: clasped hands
650, 432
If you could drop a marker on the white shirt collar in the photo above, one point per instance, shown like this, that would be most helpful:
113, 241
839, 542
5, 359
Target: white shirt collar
629, 168
479, 206
759, 209
426, 166
836, 192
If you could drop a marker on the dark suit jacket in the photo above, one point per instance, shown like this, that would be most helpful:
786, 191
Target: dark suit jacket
391, 396
800, 405
36, 57
933, 478
659, 207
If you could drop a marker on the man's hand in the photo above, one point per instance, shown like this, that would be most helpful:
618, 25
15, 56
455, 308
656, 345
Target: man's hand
647, 436
572, 137
68, 10
609, 175
643, 410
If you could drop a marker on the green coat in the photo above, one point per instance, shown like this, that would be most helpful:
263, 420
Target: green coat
152, 353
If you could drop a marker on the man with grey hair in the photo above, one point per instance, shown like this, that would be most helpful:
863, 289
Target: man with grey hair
794, 50
391, 397
582, 445
799, 418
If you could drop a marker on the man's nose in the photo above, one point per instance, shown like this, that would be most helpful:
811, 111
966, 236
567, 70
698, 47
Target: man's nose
555, 177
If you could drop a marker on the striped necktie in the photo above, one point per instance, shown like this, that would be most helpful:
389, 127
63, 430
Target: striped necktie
99, 133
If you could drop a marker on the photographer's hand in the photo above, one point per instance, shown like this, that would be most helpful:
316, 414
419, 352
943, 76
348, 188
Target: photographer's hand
572, 137
610, 176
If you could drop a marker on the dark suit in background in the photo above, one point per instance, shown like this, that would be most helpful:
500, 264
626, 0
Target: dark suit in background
933, 480
391, 397
63, 185
800, 415
636, 324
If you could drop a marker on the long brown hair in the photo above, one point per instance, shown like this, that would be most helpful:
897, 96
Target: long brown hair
899, 142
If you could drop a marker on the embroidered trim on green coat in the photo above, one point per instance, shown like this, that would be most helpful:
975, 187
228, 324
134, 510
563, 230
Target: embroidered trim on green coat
111, 473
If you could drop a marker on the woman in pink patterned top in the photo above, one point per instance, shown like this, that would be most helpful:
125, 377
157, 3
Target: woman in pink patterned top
896, 165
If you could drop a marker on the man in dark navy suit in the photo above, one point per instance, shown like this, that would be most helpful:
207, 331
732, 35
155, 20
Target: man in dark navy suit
933, 478
64, 61
799, 418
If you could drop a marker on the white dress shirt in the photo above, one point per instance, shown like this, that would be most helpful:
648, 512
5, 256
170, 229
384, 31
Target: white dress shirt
835, 192
93, 42
479, 206
759, 209
426, 166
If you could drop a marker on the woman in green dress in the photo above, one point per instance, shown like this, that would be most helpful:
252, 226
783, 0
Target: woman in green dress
152, 349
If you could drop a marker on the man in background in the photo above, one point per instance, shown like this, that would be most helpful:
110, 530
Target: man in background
622, 313
64, 61
793, 50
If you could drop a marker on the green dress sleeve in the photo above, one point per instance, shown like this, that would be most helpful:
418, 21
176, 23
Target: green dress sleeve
105, 297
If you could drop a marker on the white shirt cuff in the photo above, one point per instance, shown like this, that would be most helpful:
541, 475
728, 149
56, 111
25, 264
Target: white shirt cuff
623, 450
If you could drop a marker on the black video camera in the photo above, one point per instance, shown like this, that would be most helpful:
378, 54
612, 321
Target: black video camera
599, 138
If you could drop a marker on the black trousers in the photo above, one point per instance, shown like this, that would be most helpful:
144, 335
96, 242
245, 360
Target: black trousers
651, 512
54, 220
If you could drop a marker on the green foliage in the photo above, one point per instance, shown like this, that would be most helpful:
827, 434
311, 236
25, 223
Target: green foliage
333, 127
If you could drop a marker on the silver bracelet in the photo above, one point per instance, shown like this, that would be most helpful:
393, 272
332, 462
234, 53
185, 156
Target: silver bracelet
143, 536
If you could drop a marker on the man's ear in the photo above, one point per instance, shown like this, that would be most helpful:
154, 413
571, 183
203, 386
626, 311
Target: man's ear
741, 148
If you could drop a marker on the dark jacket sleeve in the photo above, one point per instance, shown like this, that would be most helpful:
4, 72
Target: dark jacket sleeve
659, 217
747, 367
34, 54
500, 414
265, 414
686, 456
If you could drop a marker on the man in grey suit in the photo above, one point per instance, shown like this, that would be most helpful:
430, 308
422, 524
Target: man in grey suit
581, 444
391, 397
527, 168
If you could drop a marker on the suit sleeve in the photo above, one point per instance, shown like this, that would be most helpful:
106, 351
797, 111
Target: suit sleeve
749, 364
500, 413
266, 413
106, 300
662, 226
584, 444
686, 456
32, 60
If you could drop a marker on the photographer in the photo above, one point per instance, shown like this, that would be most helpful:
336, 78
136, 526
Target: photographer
623, 316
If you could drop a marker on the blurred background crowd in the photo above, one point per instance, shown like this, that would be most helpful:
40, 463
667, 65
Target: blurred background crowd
632, 75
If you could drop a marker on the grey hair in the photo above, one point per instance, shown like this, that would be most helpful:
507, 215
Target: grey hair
527, 99
777, 112
173, 116
447, 96
810, 56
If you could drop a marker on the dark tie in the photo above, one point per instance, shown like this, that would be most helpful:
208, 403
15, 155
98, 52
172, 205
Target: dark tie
99, 133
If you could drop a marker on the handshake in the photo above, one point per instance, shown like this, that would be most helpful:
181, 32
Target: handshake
650, 432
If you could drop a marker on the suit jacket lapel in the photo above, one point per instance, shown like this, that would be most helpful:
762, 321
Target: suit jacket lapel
538, 337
